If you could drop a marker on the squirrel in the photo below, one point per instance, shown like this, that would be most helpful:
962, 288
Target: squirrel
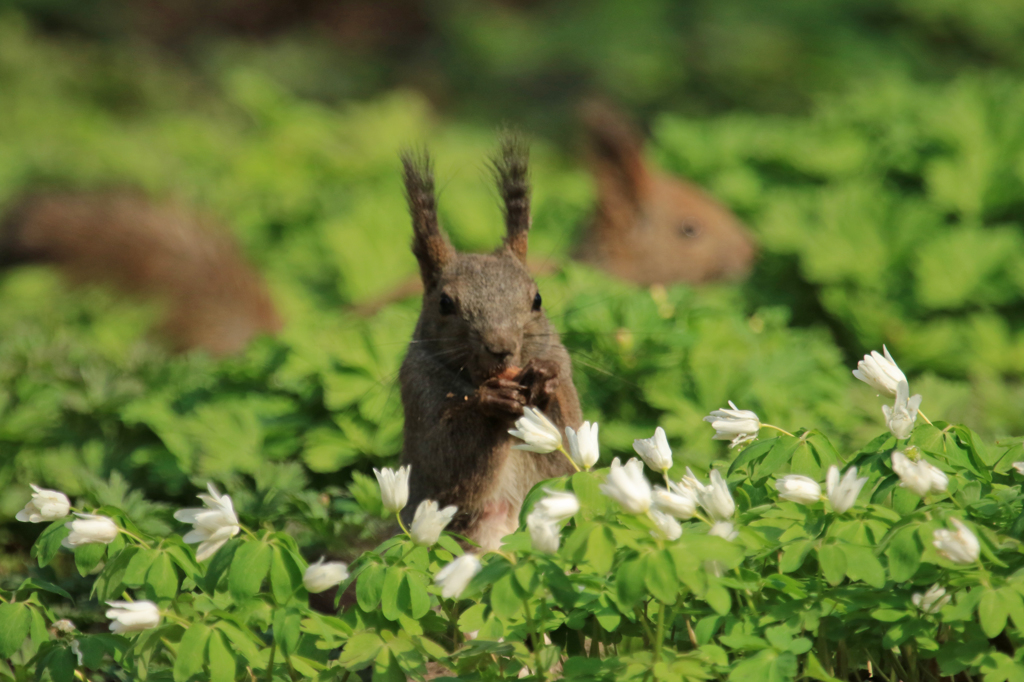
648, 227
481, 351
215, 301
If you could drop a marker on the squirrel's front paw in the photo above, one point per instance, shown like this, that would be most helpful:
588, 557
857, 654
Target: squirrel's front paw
540, 381
500, 397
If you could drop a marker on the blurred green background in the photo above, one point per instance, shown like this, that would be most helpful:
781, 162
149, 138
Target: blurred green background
875, 148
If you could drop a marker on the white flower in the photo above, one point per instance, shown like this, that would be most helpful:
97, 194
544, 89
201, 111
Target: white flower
64, 626
557, 506
931, 601
394, 488
842, 494
429, 522
881, 373
628, 486
667, 526
715, 498
583, 447
960, 547
655, 451
919, 477
321, 576
688, 486
544, 533
901, 416
453, 578
724, 529
537, 432
736, 425
89, 528
132, 616
1019, 466
45, 505
799, 489
214, 524
681, 505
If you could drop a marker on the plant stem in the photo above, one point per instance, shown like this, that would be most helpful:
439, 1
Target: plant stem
135, 537
659, 637
401, 525
270, 663
645, 624
569, 457
926, 419
772, 426
534, 636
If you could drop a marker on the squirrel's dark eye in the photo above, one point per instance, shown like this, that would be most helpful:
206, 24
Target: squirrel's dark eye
447, 305
687, 230
536, 302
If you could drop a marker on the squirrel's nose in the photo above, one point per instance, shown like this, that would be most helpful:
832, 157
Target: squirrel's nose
500, 353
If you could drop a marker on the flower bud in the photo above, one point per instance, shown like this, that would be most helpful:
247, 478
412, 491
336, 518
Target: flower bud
90, 528
735, 424
132, 616
453, 578
214, 524
429, 522
557, 506
960, 547
544, 533
799, 489
842, 494
394, 488
931, 601
881, 373
678, 502
537, 432
628, 486
655, 451
321, 576
45, 505
583, 446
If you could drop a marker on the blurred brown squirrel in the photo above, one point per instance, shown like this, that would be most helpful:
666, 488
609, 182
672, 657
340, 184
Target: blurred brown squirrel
214, 300
652, 228
647, 227
482, 350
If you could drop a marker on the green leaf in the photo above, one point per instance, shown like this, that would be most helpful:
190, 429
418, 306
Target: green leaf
600, 552
766, 666
285, 576
369, 586
630, 582
360, 650
718, 598
189, 660
49, 542
287, 623
779, 456
88, 557
248, 569
138, 566
222, 661
419, 599
504, 600
161, 578
587, 488
862, 564
40, 584
393, 578
816, 671
794, 554
832, 561
992, 612
904, 552
661, 577
220, 563
58, 665
15, 621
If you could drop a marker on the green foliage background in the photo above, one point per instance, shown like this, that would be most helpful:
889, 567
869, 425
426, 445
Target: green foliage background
881, 170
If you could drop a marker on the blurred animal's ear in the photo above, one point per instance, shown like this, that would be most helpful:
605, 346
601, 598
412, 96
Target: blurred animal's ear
616, 153
430, 244
511, 172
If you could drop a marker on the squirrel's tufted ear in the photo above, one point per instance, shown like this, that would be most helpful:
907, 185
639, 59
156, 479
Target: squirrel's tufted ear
511, 168
430, 244
616, 154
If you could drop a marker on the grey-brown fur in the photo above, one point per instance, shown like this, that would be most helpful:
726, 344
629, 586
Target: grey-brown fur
213, 299
457, 409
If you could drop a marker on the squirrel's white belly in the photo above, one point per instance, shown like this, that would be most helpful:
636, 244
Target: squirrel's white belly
517, 475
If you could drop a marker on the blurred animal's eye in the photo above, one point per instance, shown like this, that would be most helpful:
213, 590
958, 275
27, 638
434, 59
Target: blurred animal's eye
536, 302
447, 305
687, 230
